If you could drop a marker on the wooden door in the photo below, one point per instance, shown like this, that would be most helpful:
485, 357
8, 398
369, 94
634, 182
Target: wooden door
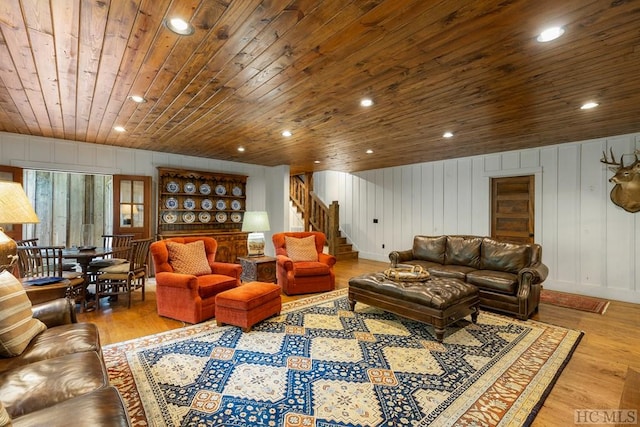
132, 205
10, 173
512, 210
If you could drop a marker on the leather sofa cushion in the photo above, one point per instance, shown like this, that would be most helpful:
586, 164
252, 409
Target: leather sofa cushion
463, 250
424, 264
503, 256
39, 385
497, 281
311, 268
210, 285
451, 271
55, 342
429, 248
102, 407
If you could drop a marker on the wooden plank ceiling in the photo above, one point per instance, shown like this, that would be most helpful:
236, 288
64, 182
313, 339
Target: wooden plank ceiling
255, 68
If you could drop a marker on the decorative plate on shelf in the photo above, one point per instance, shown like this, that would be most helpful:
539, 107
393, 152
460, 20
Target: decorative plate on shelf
171, 203
221, 205
207, 204
189, 204
188, 217
237, 191
235, 205
173, 187
220, 190
169, 217
221, 216
190, 188
205, 189
204, 216
236, 217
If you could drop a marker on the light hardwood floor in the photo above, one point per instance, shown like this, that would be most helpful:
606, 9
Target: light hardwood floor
595, 377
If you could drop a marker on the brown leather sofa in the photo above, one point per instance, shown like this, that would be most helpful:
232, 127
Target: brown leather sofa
60, 379
508, 276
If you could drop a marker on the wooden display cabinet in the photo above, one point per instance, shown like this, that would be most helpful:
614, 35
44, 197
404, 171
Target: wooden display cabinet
198, 203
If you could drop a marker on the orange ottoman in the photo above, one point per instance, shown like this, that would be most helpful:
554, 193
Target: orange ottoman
248, 304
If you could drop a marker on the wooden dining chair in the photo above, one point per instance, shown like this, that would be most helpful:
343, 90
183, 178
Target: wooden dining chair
127, 277
46, 261
119, 256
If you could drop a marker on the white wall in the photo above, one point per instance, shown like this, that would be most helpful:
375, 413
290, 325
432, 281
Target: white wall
264, 184
590, 245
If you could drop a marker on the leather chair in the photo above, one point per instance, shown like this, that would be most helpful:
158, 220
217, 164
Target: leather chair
187, 297
303, 277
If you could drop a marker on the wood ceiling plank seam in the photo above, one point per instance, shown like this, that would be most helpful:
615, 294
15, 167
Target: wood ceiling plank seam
93, 24
307, 30
164, 42
65, 18
11, 120
16, 40
186, 102
38, 23
119, 110
305, 63
289, 42
122, 15
206, 105
14, 98
169, 73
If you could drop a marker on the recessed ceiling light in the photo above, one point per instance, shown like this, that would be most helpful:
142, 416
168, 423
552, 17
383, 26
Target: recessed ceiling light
550, 34
119, 128
137, 98
589, 105
241, 149
369, 151
286, 133
316, 161
366, 102
179, 26
447, 134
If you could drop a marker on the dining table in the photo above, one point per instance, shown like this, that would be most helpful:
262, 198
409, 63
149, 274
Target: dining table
84, 256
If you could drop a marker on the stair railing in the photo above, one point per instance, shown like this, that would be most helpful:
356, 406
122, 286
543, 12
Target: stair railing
316, 215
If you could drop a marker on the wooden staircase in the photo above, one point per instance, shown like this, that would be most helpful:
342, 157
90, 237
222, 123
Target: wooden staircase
316, 216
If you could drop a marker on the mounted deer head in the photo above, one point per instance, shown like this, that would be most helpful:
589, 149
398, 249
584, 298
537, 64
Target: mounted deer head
626, 192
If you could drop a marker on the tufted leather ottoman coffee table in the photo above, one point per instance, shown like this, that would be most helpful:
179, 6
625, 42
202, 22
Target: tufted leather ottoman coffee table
437, 301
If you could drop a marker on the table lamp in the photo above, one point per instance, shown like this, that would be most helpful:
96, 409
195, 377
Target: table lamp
15, 208
255, 222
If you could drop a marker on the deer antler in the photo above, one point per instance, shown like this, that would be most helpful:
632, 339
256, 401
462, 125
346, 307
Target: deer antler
613, 162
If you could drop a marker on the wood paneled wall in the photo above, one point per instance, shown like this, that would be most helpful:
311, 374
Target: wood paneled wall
591, 246
264, 184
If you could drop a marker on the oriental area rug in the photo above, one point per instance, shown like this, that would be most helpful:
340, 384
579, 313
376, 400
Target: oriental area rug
574, 301
319, 365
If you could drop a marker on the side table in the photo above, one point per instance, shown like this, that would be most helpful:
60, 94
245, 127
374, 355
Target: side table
47, 292
258, 269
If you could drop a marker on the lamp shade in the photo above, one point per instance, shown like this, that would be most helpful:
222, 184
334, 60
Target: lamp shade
15, 207
255, 221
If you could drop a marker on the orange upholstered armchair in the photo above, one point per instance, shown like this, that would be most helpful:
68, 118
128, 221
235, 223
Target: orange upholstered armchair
301, 266
188, 278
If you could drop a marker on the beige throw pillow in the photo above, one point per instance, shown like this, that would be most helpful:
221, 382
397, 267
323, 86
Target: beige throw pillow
5, 419
17, 325
190, 258
301, 249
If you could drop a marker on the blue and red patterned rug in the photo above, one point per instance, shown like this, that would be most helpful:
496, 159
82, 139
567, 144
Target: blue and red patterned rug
320, 365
